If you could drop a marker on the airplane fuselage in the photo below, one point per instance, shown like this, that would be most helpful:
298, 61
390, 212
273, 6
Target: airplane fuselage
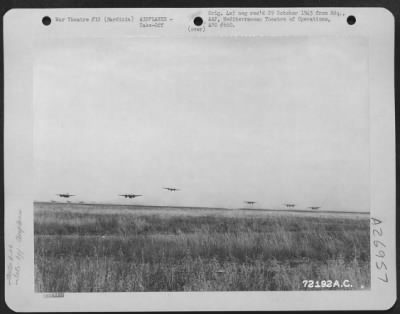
130, 195
65, 195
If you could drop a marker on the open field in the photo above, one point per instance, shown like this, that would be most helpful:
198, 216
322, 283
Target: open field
105, 248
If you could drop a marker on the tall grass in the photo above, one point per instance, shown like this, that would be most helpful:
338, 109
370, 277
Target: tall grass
79, 251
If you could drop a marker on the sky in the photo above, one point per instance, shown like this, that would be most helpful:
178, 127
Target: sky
226, 120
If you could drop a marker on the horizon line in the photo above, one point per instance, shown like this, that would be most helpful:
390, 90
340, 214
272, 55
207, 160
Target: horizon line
207, 207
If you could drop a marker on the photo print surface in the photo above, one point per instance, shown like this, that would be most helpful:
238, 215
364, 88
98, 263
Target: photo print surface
163, 166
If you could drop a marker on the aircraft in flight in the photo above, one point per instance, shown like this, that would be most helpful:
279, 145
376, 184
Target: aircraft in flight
130, 195
290, 205
314, 207
171, 189
250, 202
66, 195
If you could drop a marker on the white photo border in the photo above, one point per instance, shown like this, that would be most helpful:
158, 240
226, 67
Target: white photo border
23, 26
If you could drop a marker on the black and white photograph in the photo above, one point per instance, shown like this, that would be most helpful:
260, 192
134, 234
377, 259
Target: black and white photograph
166, 161
201, 173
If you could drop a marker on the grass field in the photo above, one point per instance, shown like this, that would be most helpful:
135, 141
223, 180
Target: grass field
108, 248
